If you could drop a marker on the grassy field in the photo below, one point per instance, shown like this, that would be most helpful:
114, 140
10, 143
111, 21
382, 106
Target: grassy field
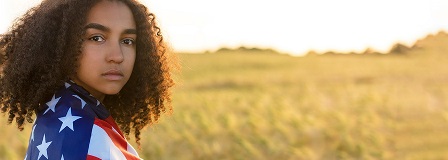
238, 106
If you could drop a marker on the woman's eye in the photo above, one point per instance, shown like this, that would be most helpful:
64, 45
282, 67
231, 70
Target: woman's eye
128, 41
97, 38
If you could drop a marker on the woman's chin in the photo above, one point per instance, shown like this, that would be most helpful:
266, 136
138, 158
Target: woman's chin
112, 92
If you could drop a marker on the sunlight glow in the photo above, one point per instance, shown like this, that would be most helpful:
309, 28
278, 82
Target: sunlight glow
288, 26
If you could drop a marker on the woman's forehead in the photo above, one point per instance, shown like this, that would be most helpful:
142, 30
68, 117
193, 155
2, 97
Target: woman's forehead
112, 14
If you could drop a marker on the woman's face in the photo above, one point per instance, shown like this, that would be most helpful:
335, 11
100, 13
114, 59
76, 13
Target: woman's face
108, 49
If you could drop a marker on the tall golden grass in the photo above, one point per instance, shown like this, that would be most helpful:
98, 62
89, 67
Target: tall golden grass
270, 106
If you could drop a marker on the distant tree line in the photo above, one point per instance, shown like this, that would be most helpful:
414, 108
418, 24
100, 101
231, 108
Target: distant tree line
396, 49
243, 49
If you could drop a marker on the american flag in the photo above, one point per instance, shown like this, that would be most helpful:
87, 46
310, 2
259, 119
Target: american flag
77, 126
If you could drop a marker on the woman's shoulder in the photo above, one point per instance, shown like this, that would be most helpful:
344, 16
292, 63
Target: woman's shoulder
65, 104
64, 128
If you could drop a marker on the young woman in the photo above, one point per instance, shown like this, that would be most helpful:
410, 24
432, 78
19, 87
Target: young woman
78, 63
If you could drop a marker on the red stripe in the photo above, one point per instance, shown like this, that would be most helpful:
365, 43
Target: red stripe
117, 139
89, 157
111, 121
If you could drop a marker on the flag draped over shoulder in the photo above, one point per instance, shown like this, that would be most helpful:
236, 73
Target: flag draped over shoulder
77, 126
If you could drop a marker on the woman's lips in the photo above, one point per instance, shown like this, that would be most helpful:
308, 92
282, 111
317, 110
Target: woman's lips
113, 75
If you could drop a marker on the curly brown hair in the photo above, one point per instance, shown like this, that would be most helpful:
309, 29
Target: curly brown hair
40, 51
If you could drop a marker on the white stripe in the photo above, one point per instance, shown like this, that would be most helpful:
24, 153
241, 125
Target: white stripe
101, 146
132, 150
115, 130
129, 148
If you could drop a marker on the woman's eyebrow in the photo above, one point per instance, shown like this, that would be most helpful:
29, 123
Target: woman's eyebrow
107, 29
130, 31
97, 26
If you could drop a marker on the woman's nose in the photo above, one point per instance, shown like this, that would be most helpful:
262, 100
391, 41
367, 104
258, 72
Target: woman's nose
115, 54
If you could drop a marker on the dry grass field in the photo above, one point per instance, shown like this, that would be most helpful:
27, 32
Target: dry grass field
238, 106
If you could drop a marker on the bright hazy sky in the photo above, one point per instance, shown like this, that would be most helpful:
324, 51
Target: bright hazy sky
289, 26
